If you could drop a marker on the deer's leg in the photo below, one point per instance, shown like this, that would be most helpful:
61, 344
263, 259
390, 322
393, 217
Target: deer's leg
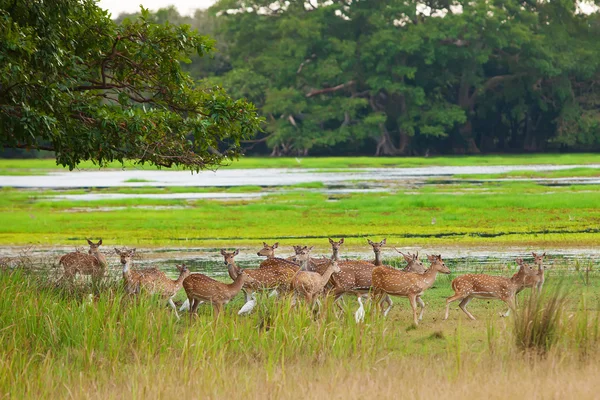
193, 305
511, 305
217, 307
413, 303
422, 305
450, 300
388, 300
463, 306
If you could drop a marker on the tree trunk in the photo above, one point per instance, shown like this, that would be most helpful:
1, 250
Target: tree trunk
385, 146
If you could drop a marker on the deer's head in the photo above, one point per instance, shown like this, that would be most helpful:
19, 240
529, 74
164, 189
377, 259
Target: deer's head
377, 246
413, 262
336, 245
228, 257
183, 271
538, 259
437, 264
94, 247
302, 253
268, 251
125, 255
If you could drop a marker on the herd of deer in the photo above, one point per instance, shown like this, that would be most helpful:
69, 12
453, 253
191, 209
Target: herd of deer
309, 278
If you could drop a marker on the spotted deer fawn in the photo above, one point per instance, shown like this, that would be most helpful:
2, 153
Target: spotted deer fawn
481, 286
152, 280
269, 252
274, 277
94, 263
536, 281
200, 288
407, 284
309, 284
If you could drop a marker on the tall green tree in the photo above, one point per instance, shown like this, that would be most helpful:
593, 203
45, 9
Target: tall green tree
74, 82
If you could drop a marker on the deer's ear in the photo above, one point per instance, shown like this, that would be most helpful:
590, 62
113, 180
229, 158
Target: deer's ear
132, 251
236, 252
533, 254
310, 248
117, 251
369, 241
407, 257
99, 242
265, 244
544, 255
223, 252
383, 241
430, 258
519, 261
331, 241
89, 242
276, 245
341, 240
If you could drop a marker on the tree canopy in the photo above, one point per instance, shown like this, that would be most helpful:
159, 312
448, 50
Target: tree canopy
410, 77
77, 83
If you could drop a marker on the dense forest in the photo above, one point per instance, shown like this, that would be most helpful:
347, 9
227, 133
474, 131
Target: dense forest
342, 77
407, 77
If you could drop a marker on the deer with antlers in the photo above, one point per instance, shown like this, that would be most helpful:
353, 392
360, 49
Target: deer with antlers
94, 263
480, 286
407, 284
274, 277
151, 280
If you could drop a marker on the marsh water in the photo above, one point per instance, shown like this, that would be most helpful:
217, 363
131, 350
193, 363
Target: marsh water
208, 260
260, 177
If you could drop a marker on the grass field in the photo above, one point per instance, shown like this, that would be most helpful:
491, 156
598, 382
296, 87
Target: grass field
59, 341
42, 166
464, 214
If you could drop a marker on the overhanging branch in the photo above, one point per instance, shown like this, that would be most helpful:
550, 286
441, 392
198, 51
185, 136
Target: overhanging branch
331, 89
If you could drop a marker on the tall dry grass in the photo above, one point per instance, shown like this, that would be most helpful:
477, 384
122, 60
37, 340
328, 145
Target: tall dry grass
57, 341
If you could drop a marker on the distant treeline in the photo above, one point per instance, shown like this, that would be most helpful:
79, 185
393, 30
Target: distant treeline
406, 77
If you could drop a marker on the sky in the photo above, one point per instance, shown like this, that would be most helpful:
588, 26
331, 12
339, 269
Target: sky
185, 7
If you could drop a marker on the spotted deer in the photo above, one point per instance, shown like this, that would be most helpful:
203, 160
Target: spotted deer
274, 277
271, 261
481, 286
309, 285
377, 250
407, 284
94, 263
201, 288
312, 261
536, 281
151, 280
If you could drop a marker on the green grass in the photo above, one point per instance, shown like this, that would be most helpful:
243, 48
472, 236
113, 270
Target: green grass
565, 173
497, 213
16, 167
